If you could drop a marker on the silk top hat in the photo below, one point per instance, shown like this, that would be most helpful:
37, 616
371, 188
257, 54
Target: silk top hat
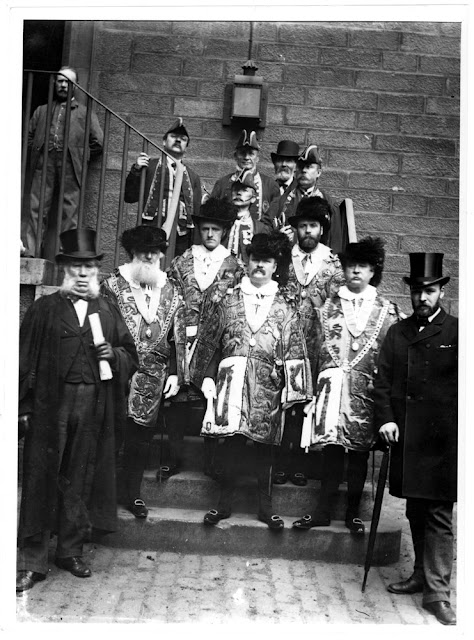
426, 268
144, 238
286, 149
310, 155
178, 126
313, 208
216, 210
78, 244
245, 177
248, 140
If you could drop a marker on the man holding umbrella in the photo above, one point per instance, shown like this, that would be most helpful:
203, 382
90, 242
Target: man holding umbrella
416, 413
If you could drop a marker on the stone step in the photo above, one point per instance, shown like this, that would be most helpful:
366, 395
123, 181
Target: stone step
194, 490
183, 531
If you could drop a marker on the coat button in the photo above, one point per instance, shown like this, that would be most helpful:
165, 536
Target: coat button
428, 345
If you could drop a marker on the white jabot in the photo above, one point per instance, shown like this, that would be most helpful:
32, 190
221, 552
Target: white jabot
307, 265
207, 263
80, 307
357, 307
257, 301
147, 298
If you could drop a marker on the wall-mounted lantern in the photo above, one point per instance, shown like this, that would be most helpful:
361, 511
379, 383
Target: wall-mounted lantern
246, 99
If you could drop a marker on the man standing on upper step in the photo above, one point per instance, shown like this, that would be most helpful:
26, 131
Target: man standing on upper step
195, 271
316, 274
246, 154
284, 162
251, 364
175, 143
307, 173
153, 309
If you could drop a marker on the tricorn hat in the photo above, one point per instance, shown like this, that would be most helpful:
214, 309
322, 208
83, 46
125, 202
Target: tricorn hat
245, 177
368, 251
217, 210
286, 149
310, 155
144, 238
426, 268
314, 208
248, 140
178, 125
78, 244
274, 245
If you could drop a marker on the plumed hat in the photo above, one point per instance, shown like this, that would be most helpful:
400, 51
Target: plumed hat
426, 268
217, 210
248, 140
286, 149
78, 244
368, 251
274, 245
245, 177
310, 155
178, 126
313, 208
144, 238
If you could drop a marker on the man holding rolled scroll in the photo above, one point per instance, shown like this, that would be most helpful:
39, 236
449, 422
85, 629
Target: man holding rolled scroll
68, 402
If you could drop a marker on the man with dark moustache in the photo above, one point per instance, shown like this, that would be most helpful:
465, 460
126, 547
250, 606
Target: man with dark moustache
76, 357
284, 162
41, 133
175, 143
416, 400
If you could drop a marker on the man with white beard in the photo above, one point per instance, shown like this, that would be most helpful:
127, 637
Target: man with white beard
153, 309
67, 409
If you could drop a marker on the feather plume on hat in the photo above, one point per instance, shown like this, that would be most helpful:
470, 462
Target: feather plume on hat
369, 250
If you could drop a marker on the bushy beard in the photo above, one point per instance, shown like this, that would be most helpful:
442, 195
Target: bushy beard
68, 287
144, 272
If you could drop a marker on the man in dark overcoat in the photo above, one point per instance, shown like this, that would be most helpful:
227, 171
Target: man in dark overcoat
76, 356
416, 413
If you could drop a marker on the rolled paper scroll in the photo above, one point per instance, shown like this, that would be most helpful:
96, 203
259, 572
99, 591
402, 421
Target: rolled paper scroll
104, 367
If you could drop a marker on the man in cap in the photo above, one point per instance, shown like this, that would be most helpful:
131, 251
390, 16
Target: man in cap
284, 162
353, 323
246, 154
416, 399
251, 364
307, 173
247, 224
175, 143
76, 356
316, 274
42, 133
200, 267
153, 310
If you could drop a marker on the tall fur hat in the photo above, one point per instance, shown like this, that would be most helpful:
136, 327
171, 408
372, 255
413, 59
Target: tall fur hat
217, 210
144, 238
274, 245
369, 250
314, 208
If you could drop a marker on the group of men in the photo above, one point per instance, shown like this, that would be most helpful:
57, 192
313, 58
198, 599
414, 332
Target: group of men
269, 326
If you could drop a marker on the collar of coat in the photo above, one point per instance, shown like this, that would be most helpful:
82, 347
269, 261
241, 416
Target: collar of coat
411, 331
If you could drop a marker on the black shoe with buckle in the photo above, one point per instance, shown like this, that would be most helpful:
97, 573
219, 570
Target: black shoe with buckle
165, 472
138, 508
356, 526
442, 611
299, 479
27, 579
213, 516
74, 565
273, 522
280, 477
308, 522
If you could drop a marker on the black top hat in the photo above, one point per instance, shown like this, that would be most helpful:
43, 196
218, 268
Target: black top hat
368, 251
144, 238
217, 210
248, 140
178, 125
286, 149
245, 177
314, 208
426, 268
310, 155
78, 244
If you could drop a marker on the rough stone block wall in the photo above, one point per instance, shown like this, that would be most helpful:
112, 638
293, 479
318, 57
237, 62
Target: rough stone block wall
382, 100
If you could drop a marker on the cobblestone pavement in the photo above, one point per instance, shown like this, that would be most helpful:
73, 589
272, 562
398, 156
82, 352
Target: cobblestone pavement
153, 587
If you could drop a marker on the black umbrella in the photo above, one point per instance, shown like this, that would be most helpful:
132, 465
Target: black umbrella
376, 513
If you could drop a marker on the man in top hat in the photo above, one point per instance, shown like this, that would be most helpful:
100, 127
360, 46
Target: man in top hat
354, 323
307, 173
76, 357
153, 310
284, 162
316, 274
416, 398
200, 267
246, 224
175, 143
246, 154
251, 364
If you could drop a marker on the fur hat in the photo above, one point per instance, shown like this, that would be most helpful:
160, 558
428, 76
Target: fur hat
368, 251
78, 244
425, 269
217, 210
273, 245
314, 208
144, 238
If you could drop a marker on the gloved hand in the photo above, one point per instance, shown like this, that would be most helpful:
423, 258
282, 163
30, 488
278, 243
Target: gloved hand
208, 388
309, 406
171, 386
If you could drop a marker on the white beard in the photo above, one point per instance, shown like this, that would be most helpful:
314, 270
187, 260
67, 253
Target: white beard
68, 287
144, 272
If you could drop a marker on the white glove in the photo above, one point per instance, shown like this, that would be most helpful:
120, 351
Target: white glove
171, 387
208, 388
